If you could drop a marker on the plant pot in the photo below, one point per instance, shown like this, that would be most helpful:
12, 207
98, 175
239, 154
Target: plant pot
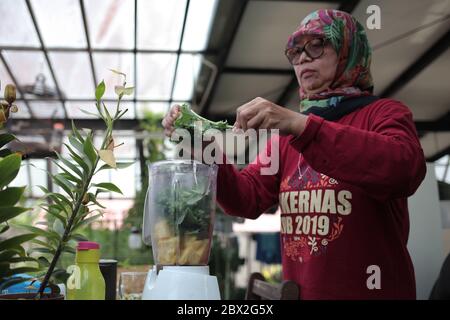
30, 296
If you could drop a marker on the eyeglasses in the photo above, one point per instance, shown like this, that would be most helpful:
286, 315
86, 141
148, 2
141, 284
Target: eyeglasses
313, 49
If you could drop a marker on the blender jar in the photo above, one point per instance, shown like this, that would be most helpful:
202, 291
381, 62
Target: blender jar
179, 212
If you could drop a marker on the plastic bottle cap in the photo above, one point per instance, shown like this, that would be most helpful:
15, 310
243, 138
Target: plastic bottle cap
87, 245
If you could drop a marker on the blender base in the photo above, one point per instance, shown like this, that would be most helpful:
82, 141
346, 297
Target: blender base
181, 283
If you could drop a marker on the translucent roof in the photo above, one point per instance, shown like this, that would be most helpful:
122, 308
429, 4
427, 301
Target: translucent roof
67, 46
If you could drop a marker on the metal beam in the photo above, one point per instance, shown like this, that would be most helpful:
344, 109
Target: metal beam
135, 56
439, 155
93, 100
186, 9
441, 124
439, 47
44, 51
235, 22
27, 126
88, 41
269, 72
347, 6
106, 50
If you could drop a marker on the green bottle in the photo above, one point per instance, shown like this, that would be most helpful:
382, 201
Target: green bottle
86, 281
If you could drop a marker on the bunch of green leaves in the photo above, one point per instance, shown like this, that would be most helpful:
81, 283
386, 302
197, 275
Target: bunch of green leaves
76, 206
11, 249
190, 120
184, 209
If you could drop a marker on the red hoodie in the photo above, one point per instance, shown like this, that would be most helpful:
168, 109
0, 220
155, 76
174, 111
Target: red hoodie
342, 188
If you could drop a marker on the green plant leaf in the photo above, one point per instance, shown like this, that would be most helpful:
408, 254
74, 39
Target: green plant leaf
10, 196
43, 243
71, 166
94, 200
58, 227
66, 173
90, 113
88, 221
77, 158
76, 143
64, 184
8, 254
79, 237
22, 259
43, 250
119, 165
108, 186
100, 90
4, 228
89, 151
43, 261
7, 213
76, 133
49, 234
5, 153
16, 241
6, 138
9, 168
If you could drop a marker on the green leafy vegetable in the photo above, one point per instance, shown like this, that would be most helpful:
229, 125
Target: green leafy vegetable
189, 120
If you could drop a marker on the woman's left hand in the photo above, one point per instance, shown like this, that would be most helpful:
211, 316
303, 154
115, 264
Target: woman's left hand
263, 114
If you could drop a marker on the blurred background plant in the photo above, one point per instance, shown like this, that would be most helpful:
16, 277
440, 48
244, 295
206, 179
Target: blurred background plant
12, 253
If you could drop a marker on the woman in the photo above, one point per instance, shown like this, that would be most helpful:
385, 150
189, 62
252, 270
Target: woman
348, 162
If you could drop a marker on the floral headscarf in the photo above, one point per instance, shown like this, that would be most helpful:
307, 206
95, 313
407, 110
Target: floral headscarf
349, 40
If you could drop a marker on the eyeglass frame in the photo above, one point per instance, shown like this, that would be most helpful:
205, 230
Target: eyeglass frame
324, 42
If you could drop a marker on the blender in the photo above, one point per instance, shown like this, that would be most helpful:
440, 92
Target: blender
179, 216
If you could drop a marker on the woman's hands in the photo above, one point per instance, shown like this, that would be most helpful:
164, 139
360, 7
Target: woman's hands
263, 114
256, 114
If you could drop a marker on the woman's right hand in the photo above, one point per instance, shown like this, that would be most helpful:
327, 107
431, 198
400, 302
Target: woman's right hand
169, 119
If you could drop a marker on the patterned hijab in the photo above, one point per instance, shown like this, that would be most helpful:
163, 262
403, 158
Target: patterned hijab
349, 40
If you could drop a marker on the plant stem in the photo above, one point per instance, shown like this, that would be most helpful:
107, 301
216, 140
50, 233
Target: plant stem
68, 228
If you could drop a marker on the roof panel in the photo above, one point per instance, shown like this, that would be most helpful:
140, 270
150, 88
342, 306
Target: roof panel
5, 79
22, 112
235, 90
155, 75
198, 24
398, 18
123, 62
427, 95
64, 29
16, 26
187, 73
73, 74
110, 23
47, 109
434, 142
27, 65
160, 24
265, 27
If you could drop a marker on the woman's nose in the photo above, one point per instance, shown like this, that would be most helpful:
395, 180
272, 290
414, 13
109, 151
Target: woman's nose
304, 58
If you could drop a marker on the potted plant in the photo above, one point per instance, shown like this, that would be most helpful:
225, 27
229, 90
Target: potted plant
77, 206
11, 249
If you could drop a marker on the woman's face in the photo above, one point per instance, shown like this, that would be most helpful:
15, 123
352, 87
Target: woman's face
316, 75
